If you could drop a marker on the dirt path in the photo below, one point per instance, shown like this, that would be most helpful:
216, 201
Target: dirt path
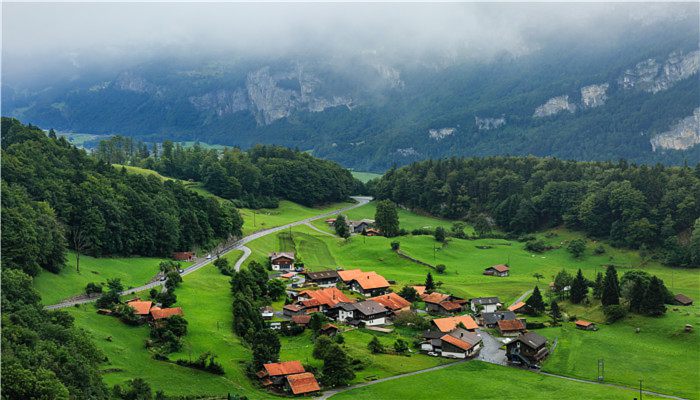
239, 245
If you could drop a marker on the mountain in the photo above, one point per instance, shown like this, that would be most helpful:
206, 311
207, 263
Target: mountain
635, 97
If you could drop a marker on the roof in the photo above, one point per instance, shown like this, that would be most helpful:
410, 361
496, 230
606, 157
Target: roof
683, 299
328, 326
392, 301
350, 274
301, 319
430, 334
360, 222
435, 297
499, 268
288, 275
303, 383
531, 339
328, 296
287, 254
292, 307
584, 323
450, 323
517, 306
485, 300
511, 325
450, 305
456, 342
466, 336
284, 368
266, 309
328, 274
140, 307
420, 289
371, 280
166, 312
494, 317
369, 307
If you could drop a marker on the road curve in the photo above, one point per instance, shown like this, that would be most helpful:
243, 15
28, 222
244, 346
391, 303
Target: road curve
238, 245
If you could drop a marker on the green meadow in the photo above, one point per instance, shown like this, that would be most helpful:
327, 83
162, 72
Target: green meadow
257, 220
364, 177
477, 380
133, 271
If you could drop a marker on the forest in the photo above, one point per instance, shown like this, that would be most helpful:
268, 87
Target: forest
644, 207
57, 196
255, 178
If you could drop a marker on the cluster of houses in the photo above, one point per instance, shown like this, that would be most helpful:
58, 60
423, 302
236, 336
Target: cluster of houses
363, 226
290, 377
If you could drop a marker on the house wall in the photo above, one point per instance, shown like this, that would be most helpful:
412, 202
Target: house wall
375, 321
344, 315
450, 354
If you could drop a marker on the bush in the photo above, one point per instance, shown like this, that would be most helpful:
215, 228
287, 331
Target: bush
535, 246
421, 231
205, 362
375, 346
400, 346
108, 300
395, 245
614, 313
599, 250
408, 319
291, 330
440, 268
93, 288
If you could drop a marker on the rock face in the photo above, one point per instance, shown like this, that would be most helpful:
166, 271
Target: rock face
130, 82
439, 134
275, 96
684, 135
554, 106
486, 124
221, 102
407, 152
651, 76
594, 95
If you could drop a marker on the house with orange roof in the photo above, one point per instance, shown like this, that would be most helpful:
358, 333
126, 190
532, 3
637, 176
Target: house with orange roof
459, 343
420, 289
439, 303
586, 325
497, 270
349, 274
510, 327
141, 308
369, 284
301, 320
448, 324
164, 313
393, 302
518, 307
275, 373
302, 384
322, 299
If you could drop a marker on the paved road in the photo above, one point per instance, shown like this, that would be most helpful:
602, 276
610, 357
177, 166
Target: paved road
522, 297
314, 227
491, 351
238, 245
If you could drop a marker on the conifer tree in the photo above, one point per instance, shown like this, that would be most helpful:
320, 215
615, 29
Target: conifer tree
636, 295
579, 288
598, 286
429, 283
534, 303
555, 313
387, 218
654, 297
611, 287
336, 369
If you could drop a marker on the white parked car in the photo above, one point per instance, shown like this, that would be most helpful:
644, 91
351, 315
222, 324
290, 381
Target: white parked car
208, 256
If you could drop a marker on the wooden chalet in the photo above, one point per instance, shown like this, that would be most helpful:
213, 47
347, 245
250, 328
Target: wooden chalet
458, 343
511, 327
528, 349
490, 320
372, 232
420, 289
301, 320
274, 374
282, 261
367, 313
328, 330
293, 309
485, 304
393, 302
302, 384
360, 226
158, 313
326, 278
448, 324
141, 308
683, 300
321, 300
497, 270
586, 325
518, 307
445, 304
369, 284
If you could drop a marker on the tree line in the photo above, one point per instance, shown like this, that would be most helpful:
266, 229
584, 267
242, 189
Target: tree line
57, 196
653, 207
255, 178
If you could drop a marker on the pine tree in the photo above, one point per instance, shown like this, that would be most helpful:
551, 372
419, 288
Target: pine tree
554, 312
611, 287
266, 348
579, 288
534, 303
336, 369
341, 227
598, 286
654, 297
375, 346
429, 283
637, 295
387, 218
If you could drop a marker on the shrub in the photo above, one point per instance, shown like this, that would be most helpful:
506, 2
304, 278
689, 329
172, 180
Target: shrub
440, 268
421, 231
409, 319
614, 313
535, 246
599, 250
400, 346
375, 346
395, 245
93, 288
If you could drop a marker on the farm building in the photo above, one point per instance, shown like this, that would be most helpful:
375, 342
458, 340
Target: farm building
301, 320
275, 373
393, 302
366, 312
141, 308
361, 225
302, 384
158, 313
497, 270
527, 349
450, 323
518, 307
511, 327
683, 300
586, 325
438, 303
490, 319
282, 261
328, 330
420, 289
292, 309
267, 312
372, 232
326, 278
458, 343
485, 304
369, 284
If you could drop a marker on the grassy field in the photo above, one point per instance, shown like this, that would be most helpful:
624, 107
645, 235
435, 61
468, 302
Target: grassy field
364, 177
477, 380
133, 271
256, 220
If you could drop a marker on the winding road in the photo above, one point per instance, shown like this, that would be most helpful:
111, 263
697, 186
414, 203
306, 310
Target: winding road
238, 245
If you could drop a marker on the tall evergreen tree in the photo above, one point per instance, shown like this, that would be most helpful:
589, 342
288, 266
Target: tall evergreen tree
636, 295
266, 348
341, 227
336, 370
387, 218
534, 303
598, 286
429, 283
579, 288
554, 312
654, 297
611, 287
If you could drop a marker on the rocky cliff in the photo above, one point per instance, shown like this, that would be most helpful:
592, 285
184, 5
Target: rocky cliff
684, 135
652, 76
486, 124
594, 95
555, 105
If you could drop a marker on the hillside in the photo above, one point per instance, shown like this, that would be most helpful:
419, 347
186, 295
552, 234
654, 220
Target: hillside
634, 97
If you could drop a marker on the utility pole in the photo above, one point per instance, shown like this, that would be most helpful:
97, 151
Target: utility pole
254, 218
640, 389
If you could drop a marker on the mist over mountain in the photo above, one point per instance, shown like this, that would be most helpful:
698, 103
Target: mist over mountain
367, 85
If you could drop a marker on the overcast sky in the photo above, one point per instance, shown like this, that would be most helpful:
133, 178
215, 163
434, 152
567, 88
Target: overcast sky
127, 31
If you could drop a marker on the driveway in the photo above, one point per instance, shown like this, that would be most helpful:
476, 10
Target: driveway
491, 351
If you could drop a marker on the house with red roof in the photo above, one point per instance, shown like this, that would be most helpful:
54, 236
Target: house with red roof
276, 373
510, 327
393, 302
586, 325
448, 324
302, 384
322, 299
141, 308
445, 304
497, 270
368, 283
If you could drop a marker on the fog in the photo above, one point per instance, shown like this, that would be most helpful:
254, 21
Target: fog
40, 36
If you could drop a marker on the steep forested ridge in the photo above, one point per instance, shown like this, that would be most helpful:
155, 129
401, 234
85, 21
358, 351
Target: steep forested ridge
630, 205
56, 194
254, 178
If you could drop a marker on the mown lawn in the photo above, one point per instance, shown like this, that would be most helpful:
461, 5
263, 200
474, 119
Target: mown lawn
256, 220
133, 271
407, 219
477, 380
